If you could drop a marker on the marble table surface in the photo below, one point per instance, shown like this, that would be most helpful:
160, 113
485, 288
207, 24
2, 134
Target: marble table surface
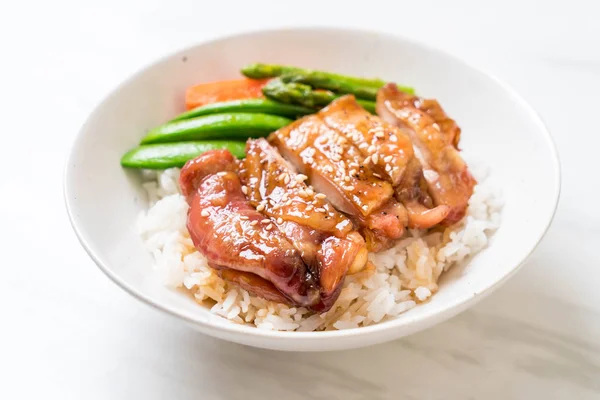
69, 333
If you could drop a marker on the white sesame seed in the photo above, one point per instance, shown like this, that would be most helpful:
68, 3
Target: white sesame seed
254, 223
244, 217
245, 189
268, 227
222, 173
281, 176
289, 202
371, 149
320, 196
205, 213
347, 178
393, 138
286, 179
349, 187
309, 207
301, 177
368, 160
260, 207
430, 175
380, 134
375, 158
375, 174
363, 145
388, 168
365, 207
310, 192
266, 221
302, 193
321, 210
388, 159
280, 220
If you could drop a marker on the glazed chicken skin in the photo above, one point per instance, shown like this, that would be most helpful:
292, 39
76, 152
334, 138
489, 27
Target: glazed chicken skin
446, 175
263, 255
234, 236
336, 168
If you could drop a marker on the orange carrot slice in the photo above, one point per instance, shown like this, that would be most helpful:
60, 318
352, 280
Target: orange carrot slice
213, 92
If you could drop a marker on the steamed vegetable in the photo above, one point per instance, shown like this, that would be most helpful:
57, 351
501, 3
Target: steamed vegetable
217, 126
299, 93
261, 71
167, 155
213, 92
322, 81
249, 106
362, 88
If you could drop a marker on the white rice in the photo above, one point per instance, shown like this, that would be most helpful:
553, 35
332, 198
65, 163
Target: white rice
403, 276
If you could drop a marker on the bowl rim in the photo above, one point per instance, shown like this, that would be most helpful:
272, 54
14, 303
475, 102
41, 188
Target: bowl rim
445, 312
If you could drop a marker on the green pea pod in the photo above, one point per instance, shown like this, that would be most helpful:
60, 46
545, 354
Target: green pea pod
167, 155
265, 106
217, 126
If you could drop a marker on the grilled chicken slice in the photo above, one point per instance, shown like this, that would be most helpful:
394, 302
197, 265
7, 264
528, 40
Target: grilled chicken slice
336, 168
382, 144
274, 187
389, 150
448, 179
448, 127
306, 218
233, 235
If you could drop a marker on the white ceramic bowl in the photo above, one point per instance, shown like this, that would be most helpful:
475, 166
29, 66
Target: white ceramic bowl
103, 200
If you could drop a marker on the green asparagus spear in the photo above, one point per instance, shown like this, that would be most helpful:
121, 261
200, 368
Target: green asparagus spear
167, 155
249, 106
217, 126
361, 87
299, 93
259, 71
320, 80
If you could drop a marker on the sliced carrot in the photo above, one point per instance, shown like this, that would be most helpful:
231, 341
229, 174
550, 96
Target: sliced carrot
213, 92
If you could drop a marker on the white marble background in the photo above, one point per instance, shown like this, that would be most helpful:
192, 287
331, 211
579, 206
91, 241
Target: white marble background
67, 332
